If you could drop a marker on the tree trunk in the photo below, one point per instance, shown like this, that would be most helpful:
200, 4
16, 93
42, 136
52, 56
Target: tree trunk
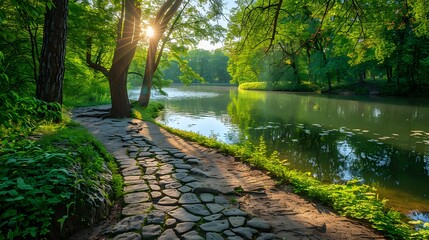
145, 91
159, 24
389, 72
51, 69
126, 45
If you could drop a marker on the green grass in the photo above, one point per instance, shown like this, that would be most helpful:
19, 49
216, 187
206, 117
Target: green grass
281, 86
147, 114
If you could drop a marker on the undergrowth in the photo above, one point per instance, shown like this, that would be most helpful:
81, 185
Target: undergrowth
48, 185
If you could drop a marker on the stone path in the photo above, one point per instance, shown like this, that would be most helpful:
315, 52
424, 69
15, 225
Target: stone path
178, 190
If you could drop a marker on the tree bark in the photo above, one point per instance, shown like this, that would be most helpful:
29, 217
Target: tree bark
126, 45
51, 68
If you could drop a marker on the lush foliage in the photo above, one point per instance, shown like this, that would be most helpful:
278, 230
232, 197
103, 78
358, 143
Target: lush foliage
21, 115
46, 183
316, 41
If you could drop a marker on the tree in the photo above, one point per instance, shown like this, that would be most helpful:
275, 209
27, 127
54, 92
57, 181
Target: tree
159, 25
193, 25
51, 68
127, 37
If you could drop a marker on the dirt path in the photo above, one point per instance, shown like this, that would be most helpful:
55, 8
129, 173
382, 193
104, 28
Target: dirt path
139, 146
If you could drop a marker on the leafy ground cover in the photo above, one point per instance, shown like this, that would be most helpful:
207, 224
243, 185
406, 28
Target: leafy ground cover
50, 173
353, 199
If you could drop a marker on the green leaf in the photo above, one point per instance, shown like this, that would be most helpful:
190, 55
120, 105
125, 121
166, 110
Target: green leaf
19, 198
22, 185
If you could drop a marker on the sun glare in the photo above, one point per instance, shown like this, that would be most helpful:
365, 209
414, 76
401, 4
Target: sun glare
150, 32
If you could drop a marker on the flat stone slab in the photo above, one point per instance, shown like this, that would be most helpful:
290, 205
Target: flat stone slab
206, 197
189, 198
184, 227
168, 235
131, 173
179, 155
151, 170
155, 194
182, 166
179, 175
259, 224
236, 221
214, 207
156, 217
167, 181
213, 236
136, 188
213, 217
134, 182
131, 178
168, 201
185, 189
174, 193
215, 226
136, 197
128, 236
234, 212
188, 179
154, 187
151, 231
193, 161
197, 209
192, 235
245, 232
129, 224
136, 209
170, 222
183, 216
164, 208
173, 185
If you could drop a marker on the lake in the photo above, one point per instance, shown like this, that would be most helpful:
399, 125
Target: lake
384, 142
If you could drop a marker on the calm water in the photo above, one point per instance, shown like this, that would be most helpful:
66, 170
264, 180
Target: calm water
382, 141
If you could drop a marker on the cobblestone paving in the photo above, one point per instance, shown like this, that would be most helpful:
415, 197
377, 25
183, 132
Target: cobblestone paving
163, 199
186, 194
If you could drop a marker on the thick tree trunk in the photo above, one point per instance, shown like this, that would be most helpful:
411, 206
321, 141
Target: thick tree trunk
126, 46
51, 69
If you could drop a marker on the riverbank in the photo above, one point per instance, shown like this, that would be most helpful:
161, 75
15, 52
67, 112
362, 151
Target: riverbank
251, 191
370, 88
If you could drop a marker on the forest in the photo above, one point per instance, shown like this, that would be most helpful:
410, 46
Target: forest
57, 55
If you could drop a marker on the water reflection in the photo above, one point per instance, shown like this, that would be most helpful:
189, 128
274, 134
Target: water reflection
384, 142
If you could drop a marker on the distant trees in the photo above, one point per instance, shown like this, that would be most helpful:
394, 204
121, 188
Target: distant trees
327, 42
209, 65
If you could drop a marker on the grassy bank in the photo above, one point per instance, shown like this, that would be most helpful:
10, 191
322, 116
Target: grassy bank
264, 86
374, 87
353, 199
